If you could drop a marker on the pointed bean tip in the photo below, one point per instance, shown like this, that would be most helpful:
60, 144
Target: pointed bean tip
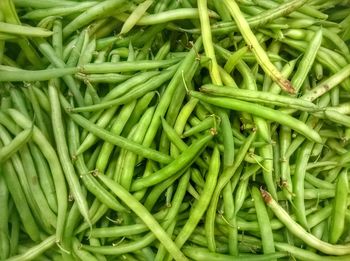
266, 195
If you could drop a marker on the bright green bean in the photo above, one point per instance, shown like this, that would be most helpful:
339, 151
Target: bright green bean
35, 251
263, 112
59, 10
145, 216
259, 96
299, 231
20, 140
258, 51
183, 161
337, 226
118, 140
204, 200
91, 14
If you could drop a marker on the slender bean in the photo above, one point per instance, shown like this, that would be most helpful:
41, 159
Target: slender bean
145, 216
183, 161
116, 129
62, 151
4, 217
138, 92
264, 222
259, 96
20, 140
307, 60
337, 226
299, 231
35, 251
20, 201
263, 112
19, 75
258, 51
59, 10
91, 14
306, 254
55, 166
202, 254
117, 140
204, 200
224, 178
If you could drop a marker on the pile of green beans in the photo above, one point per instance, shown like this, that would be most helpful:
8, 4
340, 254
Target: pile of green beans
188, 130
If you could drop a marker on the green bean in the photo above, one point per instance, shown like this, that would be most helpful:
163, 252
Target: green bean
45, 180
129, 84
206, 124
264, 18
119, 141
42, 99
24, 180
35, 251
116, 129
307, 254
62, 151
299, 231
174, 210
130, 157
298, 182
91, 14
250, 84
204, 200
183, 161
126, 66
264, 222
258, 51
102, 78
337, 225
181, 120
221, 183
15, 231
176, 140
145, 216
266, 152
48, 217
142, 89
102, 122
323, 58
52, 159
20, 140
154, 195
259, 96
40, 4
94, 187
59, 10
263, 112
169, 92
202, 254
135, 16
24, 30
119, 231
20, 201
10, 15
319, 183
19, 75
337, 117
307, 60
168, 16
4, 217
129, 247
